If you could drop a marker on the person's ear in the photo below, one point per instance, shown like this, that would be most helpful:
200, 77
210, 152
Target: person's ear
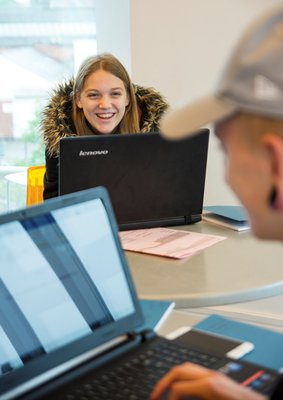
78, 100
273, 144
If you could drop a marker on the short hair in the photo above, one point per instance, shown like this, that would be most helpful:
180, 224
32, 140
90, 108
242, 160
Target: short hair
106, 62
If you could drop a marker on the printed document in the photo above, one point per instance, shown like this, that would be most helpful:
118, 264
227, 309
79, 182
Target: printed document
167, 242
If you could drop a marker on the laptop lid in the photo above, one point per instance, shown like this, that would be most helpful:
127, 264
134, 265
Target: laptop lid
151, 181
65, 288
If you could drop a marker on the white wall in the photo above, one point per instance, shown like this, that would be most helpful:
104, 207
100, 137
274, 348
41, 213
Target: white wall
113, 29
179, 47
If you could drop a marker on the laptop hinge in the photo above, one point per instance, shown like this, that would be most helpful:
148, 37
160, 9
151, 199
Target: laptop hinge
64, 367
145, 335
175, 221
192, 219
148, 334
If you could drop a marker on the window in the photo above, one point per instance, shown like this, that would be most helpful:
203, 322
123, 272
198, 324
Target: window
42, 42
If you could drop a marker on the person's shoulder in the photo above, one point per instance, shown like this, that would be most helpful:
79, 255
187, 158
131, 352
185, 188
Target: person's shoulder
145, 93
57, 118
152, 105
62, 92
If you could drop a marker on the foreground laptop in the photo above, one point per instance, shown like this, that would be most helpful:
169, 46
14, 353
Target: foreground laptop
152, 182
70, 317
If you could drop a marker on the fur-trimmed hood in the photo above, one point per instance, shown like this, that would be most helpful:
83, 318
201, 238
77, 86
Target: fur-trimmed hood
57, 119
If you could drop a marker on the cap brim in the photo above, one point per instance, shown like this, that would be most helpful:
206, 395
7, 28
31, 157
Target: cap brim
187, 120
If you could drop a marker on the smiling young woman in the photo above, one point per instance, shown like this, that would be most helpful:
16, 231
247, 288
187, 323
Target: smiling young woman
101, 99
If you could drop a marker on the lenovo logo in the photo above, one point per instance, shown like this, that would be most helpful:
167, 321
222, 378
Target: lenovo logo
83, 153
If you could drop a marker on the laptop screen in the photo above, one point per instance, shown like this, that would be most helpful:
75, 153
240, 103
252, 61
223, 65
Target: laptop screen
62, 277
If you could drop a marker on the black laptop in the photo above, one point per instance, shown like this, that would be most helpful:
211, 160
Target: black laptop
69, 312
152, 182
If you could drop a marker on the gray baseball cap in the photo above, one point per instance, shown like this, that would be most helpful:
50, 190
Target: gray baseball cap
252, 81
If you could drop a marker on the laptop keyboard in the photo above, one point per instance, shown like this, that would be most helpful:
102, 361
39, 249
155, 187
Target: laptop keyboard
135, 379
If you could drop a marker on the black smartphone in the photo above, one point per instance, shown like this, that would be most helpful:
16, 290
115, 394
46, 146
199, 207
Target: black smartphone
211, 342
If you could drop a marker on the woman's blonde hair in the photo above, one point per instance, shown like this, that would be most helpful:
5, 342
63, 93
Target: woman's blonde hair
108, 63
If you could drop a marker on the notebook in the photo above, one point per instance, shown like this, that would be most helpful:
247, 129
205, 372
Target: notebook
152, 182
69, 310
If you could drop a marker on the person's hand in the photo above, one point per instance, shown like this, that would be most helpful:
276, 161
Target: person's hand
193, 380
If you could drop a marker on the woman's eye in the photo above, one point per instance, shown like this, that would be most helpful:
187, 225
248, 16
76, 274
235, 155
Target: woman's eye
93, 95
116, 94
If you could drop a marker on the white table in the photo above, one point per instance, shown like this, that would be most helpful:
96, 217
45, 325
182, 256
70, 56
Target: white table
238, 269
19, 179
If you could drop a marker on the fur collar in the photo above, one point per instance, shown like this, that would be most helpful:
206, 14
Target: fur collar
57, 115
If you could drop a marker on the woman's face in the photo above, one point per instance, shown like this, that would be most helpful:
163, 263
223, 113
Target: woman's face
103, 100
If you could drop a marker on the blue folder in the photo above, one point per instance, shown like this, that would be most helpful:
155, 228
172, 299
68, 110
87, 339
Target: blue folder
268, 350
155, 313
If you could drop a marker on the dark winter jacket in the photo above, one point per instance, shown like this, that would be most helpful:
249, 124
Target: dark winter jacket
57, 122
